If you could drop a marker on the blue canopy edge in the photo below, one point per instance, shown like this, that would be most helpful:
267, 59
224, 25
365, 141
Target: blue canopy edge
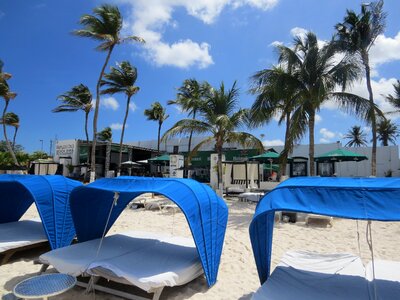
375, 199
205, 212
50, 193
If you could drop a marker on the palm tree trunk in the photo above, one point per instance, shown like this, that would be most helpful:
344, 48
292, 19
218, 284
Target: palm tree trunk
219, 152
311, 126
158, 136
286, 147
191, 134
187, 162
373, 116
122, 134
14, 137
96, 115
10, 150
87, 138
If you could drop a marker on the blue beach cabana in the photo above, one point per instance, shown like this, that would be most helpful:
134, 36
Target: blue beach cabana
51, 197
352, 198
205, 212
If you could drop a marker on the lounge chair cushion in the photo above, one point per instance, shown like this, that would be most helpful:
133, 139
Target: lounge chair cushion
148, 261
306, 275
23, 233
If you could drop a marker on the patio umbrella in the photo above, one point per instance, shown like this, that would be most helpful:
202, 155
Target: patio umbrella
340, 155
159, 159
269, 156
131, 164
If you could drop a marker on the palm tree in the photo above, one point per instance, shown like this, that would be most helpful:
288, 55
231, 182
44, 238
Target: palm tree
387, 132
11, 119
191, 96
121, 80
105, 135
356, 35
157, 113
220, 118
356, 136
313, 77
78, 98
395, 100
274, 97
7, 95
104, 26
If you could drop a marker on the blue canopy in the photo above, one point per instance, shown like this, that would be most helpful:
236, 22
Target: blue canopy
353, 198
206, 213
51, 196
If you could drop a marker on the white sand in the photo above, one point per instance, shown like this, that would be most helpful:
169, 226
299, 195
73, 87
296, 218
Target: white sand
237, 277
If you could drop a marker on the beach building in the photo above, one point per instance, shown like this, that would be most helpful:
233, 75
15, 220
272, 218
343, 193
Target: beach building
388, 162
72, 154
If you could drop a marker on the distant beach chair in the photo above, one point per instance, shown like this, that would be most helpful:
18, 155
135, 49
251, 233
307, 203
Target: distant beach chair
319, 220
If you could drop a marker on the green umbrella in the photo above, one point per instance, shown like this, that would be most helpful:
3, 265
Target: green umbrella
161, 158
273, 167
340, 155
268, 156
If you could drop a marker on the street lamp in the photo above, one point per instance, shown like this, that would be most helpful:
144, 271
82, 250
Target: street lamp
41, 149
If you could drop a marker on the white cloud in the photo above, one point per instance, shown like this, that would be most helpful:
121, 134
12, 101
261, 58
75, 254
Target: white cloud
150, 18
273, 143
385, 49
326, 135
109, 103
298, 31
318, 119
380, 88
117, 126
132, 106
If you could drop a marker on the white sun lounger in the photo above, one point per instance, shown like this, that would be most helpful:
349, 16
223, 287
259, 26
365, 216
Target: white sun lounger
306, 275
148, 261
18, 236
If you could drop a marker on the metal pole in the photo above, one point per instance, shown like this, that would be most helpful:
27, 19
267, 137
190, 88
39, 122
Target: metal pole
41, 148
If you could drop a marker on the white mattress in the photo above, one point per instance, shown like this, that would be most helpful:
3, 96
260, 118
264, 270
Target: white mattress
146, 260
307, 275
19, 234
387, 279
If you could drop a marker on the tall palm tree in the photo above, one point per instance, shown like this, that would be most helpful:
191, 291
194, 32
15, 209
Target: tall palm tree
387, 132
314, 78
104, 26
157, 113
221, 117
121, 80
394, 100
7, 95
356, 136
105, 135
11, 119
274, 96
78, 98
190, 98
357, 34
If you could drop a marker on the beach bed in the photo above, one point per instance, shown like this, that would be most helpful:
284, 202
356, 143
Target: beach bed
308, 275
148, 261
19, 236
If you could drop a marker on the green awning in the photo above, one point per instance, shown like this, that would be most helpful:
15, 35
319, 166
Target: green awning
340, 155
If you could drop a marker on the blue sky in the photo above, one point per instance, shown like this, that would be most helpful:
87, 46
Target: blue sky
208, 40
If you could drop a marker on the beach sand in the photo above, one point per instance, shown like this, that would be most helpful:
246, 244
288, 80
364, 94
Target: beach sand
237, 278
